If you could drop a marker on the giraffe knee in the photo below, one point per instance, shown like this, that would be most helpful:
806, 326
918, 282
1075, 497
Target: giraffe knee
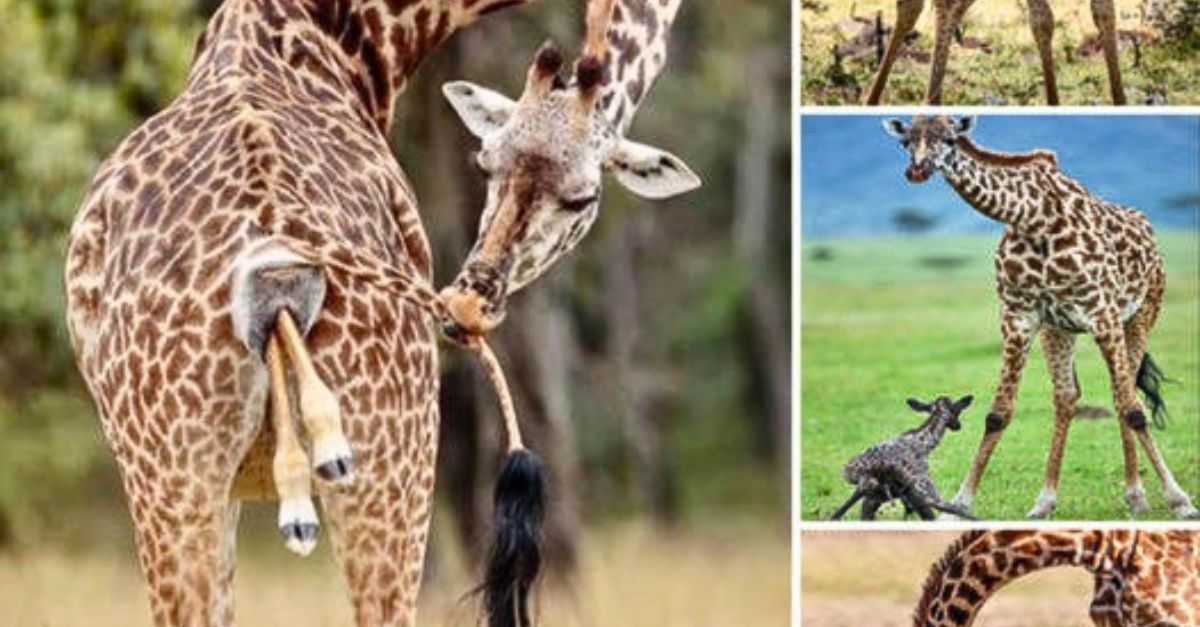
995, 422
1136, 419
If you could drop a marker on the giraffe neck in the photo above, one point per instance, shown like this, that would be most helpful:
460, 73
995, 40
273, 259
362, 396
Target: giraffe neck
1004, 187
927, 436
365, 50
637, 37
980, 563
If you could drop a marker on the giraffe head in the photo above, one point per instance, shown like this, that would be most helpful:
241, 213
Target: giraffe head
930, 141
544, 157
944, 410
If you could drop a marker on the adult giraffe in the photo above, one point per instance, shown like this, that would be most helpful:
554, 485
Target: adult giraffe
190, 267
1069, 263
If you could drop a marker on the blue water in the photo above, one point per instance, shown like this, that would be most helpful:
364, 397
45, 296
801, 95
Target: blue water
853, 172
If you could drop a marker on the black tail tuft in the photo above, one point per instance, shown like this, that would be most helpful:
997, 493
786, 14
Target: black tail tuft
515, 556
1149, 380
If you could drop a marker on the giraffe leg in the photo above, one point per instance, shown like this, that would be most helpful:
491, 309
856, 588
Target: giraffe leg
948, 19
1105, 17
907, 12
223, 605
318, 407
870, 507
841, 511
1017, 330
1136, 331
297, 516
1041, 22
1059, 348
1111, 339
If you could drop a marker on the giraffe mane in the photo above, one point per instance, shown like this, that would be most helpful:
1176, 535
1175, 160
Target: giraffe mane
994, 157
933, 582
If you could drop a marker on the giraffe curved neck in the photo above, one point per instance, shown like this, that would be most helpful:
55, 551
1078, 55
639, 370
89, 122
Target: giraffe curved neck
366, 49
980, 563
1008, 188
637, 36
928, 435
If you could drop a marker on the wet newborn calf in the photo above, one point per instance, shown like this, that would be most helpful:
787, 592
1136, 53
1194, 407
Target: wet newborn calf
899, 468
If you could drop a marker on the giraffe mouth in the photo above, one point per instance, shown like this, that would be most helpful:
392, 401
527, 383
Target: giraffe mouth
919, 173
475, 303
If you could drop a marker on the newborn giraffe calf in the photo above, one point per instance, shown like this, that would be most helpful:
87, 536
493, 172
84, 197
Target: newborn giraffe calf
899, 467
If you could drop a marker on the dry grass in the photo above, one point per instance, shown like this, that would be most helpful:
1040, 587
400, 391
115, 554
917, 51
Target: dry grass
631, 576
873, 579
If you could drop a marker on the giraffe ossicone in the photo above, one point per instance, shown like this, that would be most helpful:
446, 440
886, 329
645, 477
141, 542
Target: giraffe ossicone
1069, 263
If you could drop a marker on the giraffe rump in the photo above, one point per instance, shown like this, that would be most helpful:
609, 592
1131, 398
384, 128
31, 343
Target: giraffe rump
267, 279
515, 555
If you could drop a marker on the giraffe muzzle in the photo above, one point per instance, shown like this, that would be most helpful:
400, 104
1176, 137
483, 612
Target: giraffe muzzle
475, 303
918, 173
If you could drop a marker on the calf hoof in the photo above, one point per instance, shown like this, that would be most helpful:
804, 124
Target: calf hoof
337, 470
332, 461
1135, 498
300, 538
1182, 506
299, 526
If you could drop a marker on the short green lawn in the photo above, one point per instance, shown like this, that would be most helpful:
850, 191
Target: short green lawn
888, 318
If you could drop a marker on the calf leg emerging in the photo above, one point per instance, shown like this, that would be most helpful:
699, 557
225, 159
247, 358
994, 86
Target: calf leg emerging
297, 516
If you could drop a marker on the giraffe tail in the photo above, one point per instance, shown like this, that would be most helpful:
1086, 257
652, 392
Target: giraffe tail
1149, 380
515, 556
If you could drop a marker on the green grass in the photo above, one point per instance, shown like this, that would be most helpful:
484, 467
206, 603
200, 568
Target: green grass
1009, 73
878, 326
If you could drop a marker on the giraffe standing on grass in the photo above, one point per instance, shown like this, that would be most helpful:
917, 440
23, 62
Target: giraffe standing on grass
258, 231
1142, 578
1068, 263
948, 16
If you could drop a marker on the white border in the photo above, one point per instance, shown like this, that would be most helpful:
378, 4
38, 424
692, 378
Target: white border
800, 527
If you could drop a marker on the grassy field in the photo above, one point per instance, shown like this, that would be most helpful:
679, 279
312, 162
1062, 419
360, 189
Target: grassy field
631, 576
1000, 63
855, 579
886, 319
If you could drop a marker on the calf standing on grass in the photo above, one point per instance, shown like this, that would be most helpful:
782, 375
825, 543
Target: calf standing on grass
899, 467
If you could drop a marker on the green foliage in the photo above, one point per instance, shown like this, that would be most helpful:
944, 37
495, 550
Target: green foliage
75, 76
882, 323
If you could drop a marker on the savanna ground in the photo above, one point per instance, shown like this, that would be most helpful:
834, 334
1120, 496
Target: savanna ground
630, 575
857, 579
998, 63
890, 318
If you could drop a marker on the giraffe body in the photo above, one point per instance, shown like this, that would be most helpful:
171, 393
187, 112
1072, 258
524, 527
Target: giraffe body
899, 467
1142, 578
948, 20
191, 286
1069, 263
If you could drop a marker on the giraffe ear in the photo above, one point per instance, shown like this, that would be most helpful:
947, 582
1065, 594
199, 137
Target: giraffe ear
964, 125
481, 110
650, 172
918, 405
895, 127
963, 403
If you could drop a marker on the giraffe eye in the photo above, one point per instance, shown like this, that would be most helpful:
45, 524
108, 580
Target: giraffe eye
579, 204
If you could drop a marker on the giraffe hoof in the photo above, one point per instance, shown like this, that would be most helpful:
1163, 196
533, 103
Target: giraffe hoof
1135, 498
300, 537
1182, 506
336, 470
